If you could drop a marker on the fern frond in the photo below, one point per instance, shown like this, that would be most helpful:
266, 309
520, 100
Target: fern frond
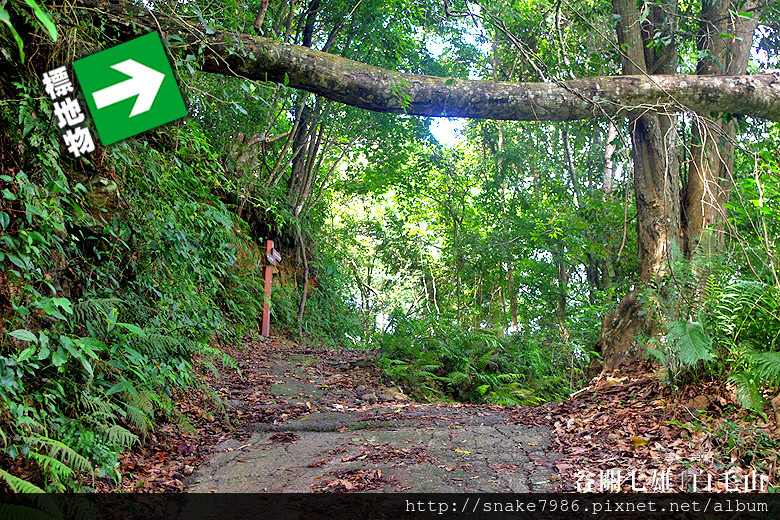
483, 361
143, 400
19, 485
427, 368
691, 342
17, 512
59, 471
98, 407
767, 366
215, 353
184, 424
747, 391
118, 435
736, 304
489, 379
458, 378
213, 397
30, 425
65, 453
49, 503
161, 345
79, 508
657, 354
206, 365
140, 421
96, 309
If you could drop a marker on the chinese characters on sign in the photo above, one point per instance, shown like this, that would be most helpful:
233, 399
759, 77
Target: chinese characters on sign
68, 112
661, 481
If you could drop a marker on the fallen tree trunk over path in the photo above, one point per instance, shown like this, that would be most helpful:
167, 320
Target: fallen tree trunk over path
382, 90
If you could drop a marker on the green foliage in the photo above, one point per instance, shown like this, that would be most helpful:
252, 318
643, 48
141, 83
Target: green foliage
35, 504
18, 485
691, 343
120, 269
329, 320
738, 444
434, 359
717, 321
41, 20
113, 287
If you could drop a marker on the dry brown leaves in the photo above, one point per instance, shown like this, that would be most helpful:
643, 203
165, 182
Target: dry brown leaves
280, 437
354, 480
173, 451
631, 434
387, 453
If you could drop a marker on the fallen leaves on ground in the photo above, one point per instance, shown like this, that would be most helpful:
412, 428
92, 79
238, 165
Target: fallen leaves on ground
280, 437
174, 450
387, 453
632, 434
353, 480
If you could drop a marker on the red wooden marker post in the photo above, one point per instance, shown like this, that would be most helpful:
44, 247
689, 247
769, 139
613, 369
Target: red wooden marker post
273, 257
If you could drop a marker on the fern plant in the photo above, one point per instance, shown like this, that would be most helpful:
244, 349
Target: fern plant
715, 315
473, 365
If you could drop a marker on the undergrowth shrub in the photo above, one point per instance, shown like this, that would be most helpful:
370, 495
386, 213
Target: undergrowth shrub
434, 359
328, 320
720, 323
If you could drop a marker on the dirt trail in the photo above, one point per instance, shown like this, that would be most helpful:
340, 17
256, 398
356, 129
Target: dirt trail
322, 420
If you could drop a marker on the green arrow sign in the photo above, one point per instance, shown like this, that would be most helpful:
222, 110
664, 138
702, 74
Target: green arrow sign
130, 88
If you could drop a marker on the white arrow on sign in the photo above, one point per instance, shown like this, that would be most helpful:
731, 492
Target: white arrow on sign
144, 82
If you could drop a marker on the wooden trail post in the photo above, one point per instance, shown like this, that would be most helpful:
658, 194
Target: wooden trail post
273, 257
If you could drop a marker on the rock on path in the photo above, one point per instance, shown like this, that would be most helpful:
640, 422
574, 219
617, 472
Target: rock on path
335, 428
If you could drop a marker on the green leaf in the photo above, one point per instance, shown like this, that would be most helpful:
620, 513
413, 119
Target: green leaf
93, 344
59, 357
450, 81
4, 220
286, 79
123, 386
64, 304
52, 306
44, 18
18, 262
26, 354
24, 335
767, 366
747, 391
86, 365
645, 13
133, 328
19, 485
44, 353
6, 19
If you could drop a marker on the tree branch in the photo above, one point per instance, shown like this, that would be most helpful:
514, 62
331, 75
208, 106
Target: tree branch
382, 90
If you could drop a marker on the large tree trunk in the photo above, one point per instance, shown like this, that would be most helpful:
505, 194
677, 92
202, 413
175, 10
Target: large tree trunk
656, 175
661, 220
709, 182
